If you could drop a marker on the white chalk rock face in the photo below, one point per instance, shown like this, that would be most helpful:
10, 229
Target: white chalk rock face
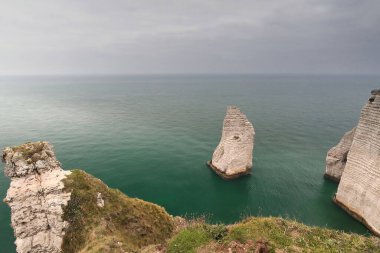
36, 197
233, 156
337, 157
359, 188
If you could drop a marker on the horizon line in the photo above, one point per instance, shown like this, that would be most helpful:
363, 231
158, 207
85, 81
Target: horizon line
185, 74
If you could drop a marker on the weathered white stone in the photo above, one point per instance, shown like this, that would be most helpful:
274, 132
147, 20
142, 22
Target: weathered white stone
233, 156
36, 197
99, 200
359, 188
337, 157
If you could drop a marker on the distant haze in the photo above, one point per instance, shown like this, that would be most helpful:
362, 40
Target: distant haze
207, 36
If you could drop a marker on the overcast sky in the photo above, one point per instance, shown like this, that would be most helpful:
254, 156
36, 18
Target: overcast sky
206, 36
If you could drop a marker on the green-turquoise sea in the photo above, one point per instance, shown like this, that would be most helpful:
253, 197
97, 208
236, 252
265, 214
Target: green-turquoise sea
150, 137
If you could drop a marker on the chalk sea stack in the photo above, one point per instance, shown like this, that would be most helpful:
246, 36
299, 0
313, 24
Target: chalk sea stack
359, 188
232, 158
336, 158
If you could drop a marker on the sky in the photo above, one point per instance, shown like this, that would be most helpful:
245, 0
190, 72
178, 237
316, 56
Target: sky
189, 36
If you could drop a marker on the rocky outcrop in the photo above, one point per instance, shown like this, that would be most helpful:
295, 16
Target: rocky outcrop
36, 197
359, 188
337, 157
233, 156
99, 200
102, 219
53, 210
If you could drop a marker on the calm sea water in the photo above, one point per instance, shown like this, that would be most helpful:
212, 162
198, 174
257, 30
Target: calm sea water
150, 136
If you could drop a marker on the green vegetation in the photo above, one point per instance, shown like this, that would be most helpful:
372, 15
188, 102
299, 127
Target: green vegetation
123, 224
29, 149
189, 239
279, 235
293, 236
131, 225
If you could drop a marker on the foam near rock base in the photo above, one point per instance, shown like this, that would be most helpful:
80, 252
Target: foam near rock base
36, 197
233, 156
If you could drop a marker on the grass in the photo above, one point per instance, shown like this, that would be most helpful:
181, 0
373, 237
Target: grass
127, 224
123, 224
191, 238
29, 149
281, 235
292, 236
188, 240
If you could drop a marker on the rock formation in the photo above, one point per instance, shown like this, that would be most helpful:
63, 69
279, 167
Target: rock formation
99, 200
53, 210
233, 156
36, 197
337, 157
59, 211
359, 188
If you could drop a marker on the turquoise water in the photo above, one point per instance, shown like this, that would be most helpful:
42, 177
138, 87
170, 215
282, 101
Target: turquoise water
151, 136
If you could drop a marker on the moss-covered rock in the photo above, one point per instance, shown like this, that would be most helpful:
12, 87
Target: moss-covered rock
30, 151
123, 224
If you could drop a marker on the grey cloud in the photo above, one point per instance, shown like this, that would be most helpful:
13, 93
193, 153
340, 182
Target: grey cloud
215, 36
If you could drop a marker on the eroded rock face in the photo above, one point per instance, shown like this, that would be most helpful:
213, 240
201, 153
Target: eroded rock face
337, 157
35, 197
233, 156
359, 188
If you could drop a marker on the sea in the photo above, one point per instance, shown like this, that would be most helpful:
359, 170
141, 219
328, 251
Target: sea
151, 135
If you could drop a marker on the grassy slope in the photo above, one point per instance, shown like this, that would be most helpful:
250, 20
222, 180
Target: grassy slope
278, 234
123, 225
127, 225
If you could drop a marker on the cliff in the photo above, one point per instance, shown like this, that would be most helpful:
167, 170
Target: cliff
35, 197
54, 210
359, 188
233, 155
337, 157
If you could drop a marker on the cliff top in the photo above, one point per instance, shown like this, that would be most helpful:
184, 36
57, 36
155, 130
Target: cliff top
29, 158
375, 92
30, 151
268, 234
121, 224
54, 210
